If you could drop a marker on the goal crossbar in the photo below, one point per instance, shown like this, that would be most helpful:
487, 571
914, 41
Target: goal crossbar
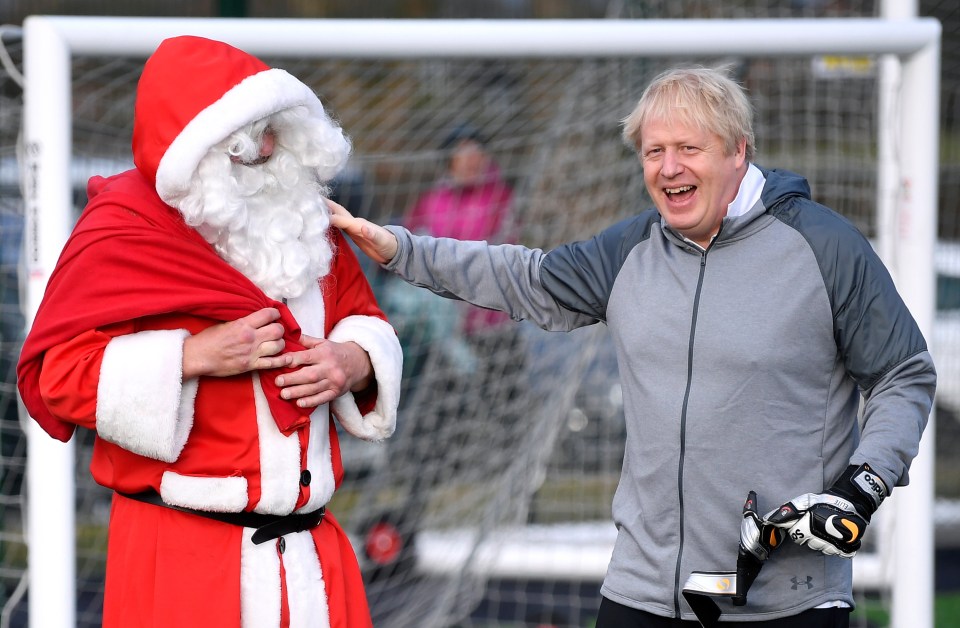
362, 38
50, 42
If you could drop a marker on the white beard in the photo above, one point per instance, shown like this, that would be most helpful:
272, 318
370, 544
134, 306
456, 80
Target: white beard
268, 221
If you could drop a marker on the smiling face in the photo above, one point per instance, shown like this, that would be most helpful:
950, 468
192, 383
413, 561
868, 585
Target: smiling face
690, 175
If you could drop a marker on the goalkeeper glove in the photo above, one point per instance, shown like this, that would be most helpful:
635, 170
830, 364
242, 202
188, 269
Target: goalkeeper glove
757, 540
833, 522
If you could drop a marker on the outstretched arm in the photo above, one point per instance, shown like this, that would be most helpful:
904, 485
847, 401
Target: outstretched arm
376, 242
498, 277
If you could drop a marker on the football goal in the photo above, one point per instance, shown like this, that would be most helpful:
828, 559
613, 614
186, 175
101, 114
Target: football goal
491, 504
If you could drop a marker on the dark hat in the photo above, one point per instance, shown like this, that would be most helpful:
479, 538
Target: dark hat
463, 131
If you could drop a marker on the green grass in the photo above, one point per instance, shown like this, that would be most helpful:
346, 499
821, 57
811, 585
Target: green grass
946, 612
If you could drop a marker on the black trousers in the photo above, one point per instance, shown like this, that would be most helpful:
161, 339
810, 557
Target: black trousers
614, 615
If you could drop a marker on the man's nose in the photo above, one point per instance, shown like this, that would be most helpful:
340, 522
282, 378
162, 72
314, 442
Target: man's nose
267, 143
671, 165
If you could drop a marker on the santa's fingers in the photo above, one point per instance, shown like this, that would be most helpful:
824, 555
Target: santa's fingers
268, 348
261, 317
269, 356
330, 376
234, 347
311, 395
269, 339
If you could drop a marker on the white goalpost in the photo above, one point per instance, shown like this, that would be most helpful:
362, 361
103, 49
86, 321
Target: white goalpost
907, 195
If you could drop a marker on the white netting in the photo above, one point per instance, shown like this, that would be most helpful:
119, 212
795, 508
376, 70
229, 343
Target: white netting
510, 436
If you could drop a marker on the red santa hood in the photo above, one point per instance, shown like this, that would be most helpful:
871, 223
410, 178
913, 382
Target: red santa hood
193, 94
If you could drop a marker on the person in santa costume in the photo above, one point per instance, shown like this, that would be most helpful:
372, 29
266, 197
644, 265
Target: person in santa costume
208, 323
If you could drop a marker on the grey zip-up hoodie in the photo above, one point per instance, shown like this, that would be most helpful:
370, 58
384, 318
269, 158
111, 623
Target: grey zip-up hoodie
742, 369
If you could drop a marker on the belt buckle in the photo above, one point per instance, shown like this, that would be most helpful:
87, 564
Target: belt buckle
295, 522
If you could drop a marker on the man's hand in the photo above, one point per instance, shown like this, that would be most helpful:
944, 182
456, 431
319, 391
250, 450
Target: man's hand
758, 539
250, 343
833, 522
376, 242
329, 369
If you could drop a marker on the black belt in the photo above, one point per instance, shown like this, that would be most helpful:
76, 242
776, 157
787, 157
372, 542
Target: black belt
268, 527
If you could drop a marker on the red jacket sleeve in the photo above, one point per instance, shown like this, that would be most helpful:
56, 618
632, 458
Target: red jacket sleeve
70, 375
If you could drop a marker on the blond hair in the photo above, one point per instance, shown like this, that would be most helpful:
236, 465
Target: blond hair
703, 97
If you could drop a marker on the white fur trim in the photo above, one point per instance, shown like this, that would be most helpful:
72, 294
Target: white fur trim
224, 494
305, 590
380, 341
253, 98
308, 310
279, 460
142, 404
322, 482
259, 583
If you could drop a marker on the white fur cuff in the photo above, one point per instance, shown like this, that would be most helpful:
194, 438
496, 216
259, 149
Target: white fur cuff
216, 494
379, 340
142, 405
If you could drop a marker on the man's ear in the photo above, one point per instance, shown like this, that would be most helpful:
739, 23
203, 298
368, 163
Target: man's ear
741, 151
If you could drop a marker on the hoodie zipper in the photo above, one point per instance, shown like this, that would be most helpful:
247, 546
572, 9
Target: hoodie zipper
683, 422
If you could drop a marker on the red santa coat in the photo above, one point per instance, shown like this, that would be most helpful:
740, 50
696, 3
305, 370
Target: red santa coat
105, 352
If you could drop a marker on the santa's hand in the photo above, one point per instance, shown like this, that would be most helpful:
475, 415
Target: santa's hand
376, 242
326, 370
247, 344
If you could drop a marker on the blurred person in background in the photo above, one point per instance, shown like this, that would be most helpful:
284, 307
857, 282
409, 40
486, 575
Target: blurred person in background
749, 323
209, 325
472, 201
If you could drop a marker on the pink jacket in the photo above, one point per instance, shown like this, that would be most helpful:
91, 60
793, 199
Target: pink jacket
476, 212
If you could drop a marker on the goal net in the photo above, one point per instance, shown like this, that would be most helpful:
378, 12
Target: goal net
491, 504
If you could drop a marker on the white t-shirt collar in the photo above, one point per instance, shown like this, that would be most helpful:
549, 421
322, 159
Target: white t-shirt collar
749, 192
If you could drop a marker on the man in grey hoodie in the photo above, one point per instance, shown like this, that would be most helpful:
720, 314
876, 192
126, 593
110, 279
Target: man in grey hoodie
749, 323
